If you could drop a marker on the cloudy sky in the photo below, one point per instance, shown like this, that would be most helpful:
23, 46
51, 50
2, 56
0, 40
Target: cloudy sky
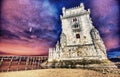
30, 27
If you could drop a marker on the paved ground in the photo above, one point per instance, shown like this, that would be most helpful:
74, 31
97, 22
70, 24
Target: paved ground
57, 73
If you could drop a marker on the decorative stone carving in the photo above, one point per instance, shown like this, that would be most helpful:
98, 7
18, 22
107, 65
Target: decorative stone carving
79, 38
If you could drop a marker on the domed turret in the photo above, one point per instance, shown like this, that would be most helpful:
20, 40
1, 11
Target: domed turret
63, 40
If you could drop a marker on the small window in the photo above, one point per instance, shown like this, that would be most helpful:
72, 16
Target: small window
74, 19
75, 26
85, 37
77, 35
69, 49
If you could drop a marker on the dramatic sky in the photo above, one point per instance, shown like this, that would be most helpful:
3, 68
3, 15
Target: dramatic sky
30, 27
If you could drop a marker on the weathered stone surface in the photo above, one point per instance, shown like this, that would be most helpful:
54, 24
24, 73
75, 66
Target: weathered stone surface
79, 38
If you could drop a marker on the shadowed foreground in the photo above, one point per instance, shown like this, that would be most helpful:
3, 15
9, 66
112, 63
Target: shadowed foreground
57, 73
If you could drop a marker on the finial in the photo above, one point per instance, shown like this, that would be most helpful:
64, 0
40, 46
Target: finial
81, 4
60, 16
89, 10
63, 9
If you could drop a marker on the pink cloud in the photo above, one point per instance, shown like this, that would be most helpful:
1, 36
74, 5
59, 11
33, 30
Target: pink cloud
16, 47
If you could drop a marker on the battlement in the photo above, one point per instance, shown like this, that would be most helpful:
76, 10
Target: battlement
78, 38
75, 11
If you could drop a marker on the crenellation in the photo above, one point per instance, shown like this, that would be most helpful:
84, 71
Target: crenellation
79, 38
79, 10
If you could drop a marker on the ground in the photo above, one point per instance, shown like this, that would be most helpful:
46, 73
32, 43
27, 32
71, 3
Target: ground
57, 73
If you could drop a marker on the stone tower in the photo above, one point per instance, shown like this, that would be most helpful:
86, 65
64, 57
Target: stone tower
79, 38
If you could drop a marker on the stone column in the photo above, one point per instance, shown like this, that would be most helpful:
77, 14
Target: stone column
33, 59
18, 63
27, 63
10, 63
1, 61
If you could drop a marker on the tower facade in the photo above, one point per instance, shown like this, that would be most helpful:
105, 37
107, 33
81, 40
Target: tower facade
79, 38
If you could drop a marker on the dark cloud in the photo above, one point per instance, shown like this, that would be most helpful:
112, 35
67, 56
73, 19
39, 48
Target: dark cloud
19, 19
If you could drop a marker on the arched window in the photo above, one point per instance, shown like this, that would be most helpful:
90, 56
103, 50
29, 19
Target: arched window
76, 25
74, 19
